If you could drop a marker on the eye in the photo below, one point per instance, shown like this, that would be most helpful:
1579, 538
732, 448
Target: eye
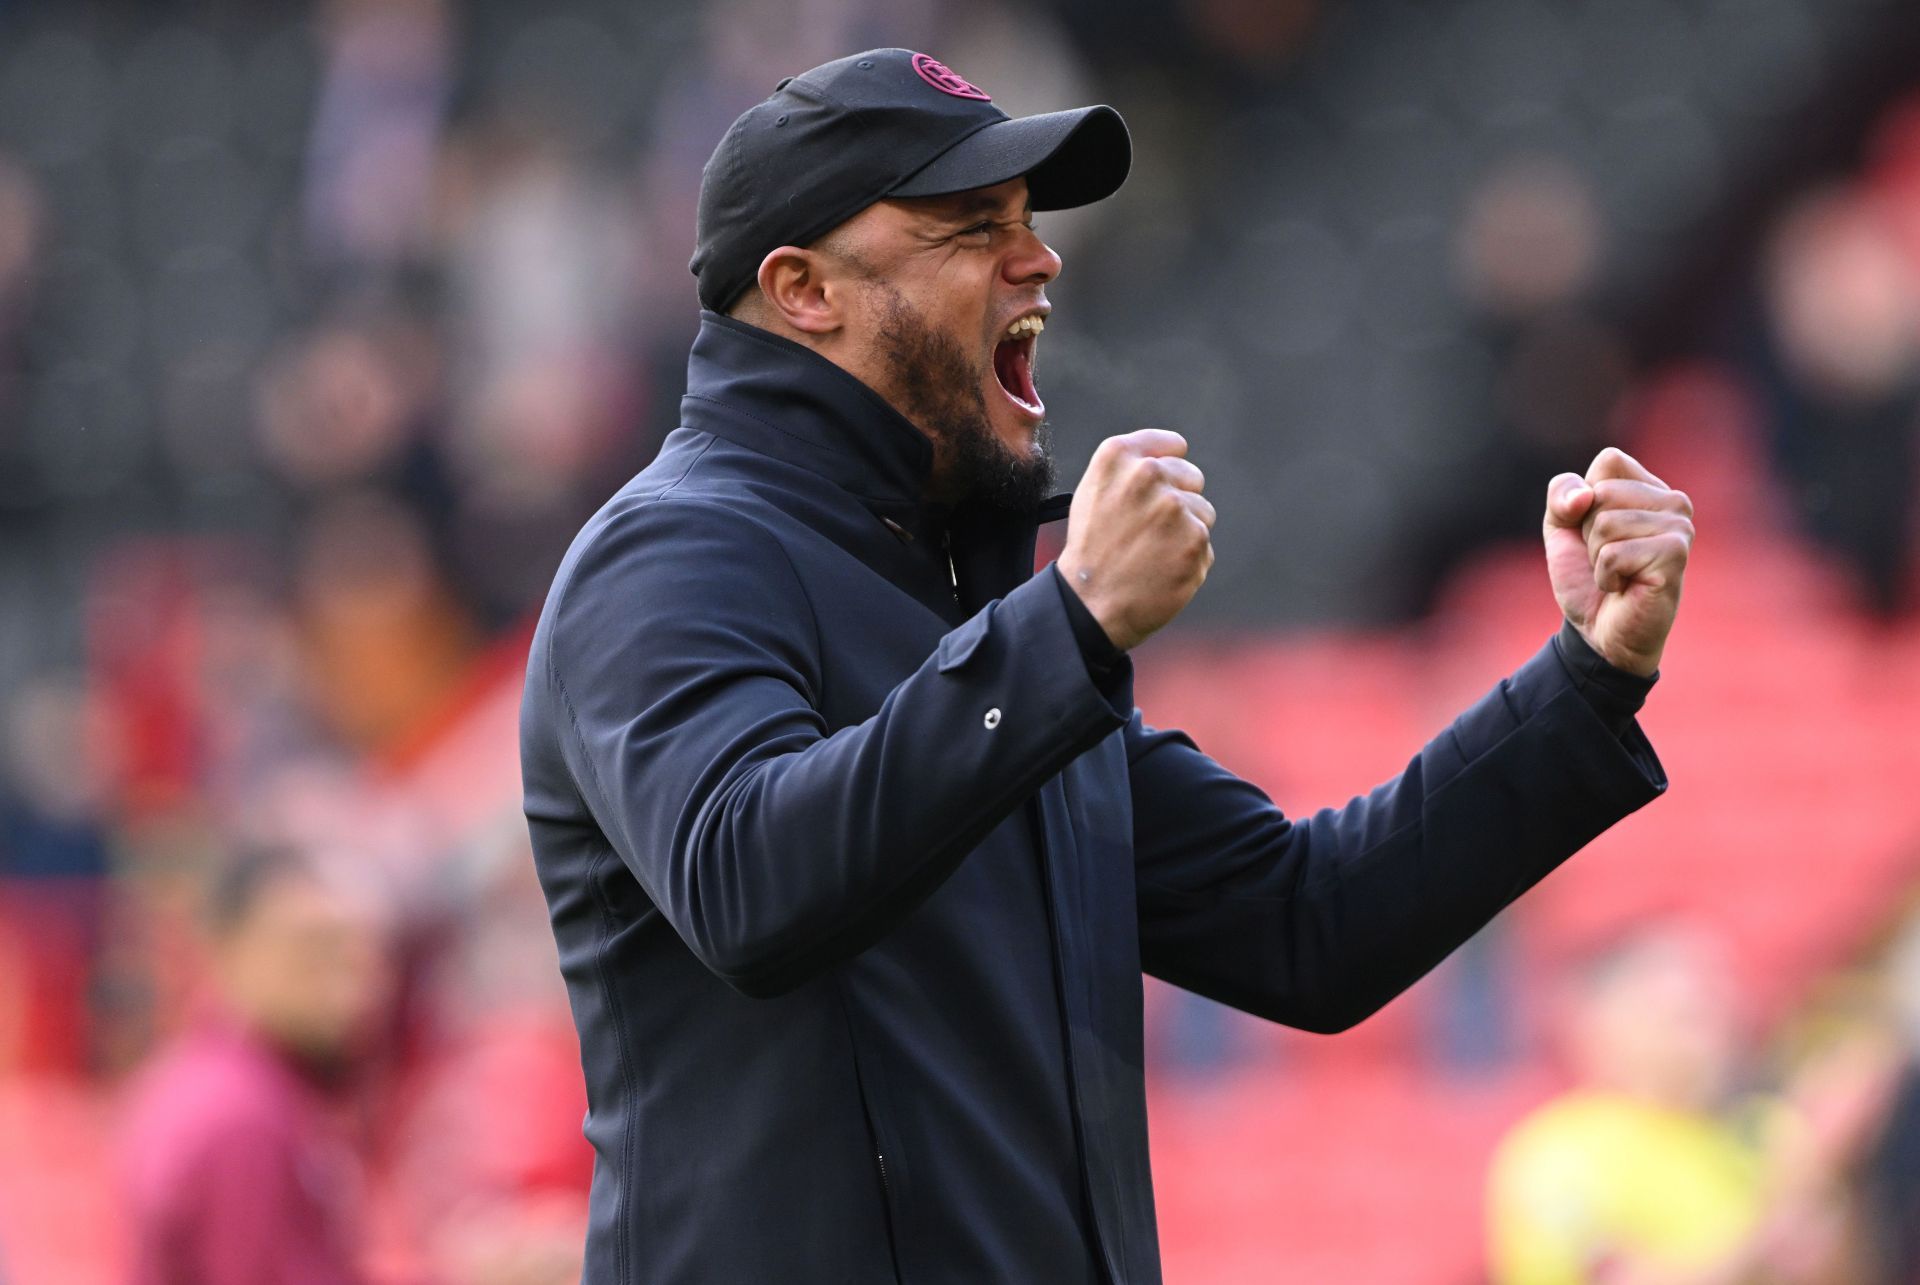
982, 230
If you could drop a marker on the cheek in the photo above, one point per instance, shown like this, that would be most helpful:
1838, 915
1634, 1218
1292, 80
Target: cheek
961, 304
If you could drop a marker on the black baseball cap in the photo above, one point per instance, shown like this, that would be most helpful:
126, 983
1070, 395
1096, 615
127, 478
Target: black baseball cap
888, 122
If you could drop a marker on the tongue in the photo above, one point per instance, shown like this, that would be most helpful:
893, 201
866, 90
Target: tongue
1010, 365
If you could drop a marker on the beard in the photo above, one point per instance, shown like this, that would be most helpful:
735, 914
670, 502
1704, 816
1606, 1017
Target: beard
940, 389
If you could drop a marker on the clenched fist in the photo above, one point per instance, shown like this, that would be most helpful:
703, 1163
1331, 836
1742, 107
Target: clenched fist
1139, 535
1617, 546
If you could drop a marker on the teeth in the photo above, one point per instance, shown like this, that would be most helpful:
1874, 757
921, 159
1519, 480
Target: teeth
1029, 325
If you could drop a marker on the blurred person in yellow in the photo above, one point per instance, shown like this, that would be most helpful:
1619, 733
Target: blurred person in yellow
1652, 1171
239, 1157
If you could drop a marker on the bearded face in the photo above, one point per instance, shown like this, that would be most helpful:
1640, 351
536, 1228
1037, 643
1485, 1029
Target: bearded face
940, 382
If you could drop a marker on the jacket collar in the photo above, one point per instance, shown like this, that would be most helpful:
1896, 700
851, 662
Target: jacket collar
776, 397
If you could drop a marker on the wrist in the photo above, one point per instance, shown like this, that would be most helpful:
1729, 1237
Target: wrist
1577, 640
1638, 664
1096, 648
1081, 583
1644, 665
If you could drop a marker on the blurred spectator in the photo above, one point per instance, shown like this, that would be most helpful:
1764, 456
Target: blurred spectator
1530, 240
376, 131
1259, 36
499, 1197
21, 221
1844, 363
385, 639
344, 403
502, 1195
240, 1161
1650, 1172
1526, 254
54, 859
1892, 1187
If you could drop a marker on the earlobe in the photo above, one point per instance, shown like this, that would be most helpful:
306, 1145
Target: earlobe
791, 280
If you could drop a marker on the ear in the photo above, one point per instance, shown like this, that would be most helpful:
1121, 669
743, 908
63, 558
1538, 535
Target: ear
796, 286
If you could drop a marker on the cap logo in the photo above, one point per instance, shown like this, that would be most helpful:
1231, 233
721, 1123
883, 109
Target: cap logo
945, 79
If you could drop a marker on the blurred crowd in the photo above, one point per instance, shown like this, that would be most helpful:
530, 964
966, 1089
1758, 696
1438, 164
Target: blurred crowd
1692, 1152
323, 326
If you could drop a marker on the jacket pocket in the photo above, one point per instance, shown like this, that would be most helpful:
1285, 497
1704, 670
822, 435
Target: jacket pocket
884, 1157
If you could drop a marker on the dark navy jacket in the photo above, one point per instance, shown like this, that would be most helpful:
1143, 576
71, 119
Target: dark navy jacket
854, 868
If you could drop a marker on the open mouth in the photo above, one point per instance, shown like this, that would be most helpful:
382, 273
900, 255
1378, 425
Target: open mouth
1013, 365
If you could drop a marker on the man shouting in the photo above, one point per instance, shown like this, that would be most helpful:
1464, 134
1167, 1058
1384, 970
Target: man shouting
854, 843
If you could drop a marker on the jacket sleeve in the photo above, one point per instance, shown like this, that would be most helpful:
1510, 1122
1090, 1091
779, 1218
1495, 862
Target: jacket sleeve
1317, 923
685, 659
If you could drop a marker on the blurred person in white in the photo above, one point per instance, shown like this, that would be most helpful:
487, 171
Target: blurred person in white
543, 383
1653, 1170
239, 1154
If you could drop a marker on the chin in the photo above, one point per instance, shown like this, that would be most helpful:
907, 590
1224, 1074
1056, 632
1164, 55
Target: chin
1022, 443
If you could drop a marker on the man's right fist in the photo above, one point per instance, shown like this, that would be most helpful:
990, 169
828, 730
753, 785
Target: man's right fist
1139, 535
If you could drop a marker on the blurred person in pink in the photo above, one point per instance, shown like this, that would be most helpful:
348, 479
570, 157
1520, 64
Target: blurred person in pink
239, 1157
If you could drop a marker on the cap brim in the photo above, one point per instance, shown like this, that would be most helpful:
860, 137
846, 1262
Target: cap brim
1069, 158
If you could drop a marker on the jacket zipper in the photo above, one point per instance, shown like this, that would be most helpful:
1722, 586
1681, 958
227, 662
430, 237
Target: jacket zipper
953, 573
1099, 1246
886, 1212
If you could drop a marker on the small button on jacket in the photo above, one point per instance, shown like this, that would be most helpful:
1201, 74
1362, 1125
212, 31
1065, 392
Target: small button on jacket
854, 865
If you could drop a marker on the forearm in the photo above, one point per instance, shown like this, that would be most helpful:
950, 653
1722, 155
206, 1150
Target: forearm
775, 850
1317, 923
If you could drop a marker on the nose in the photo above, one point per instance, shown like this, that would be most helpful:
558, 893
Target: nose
1031, 261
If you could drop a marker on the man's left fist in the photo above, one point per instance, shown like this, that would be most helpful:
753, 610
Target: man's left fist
1617, 546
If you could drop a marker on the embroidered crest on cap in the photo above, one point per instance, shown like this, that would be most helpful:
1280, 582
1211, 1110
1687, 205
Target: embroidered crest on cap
946, 80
